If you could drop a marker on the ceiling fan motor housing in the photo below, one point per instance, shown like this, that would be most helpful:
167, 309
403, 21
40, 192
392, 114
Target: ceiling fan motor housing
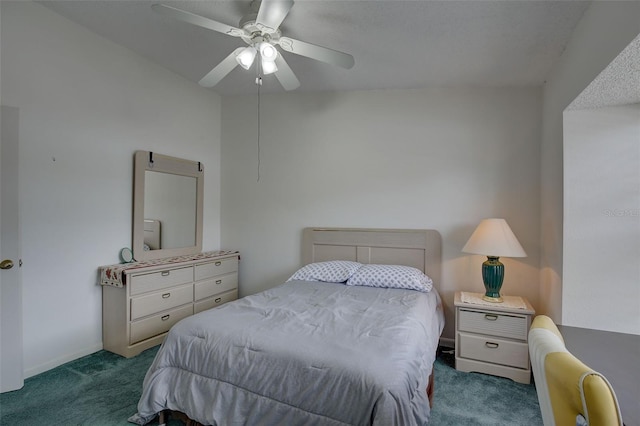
253, 36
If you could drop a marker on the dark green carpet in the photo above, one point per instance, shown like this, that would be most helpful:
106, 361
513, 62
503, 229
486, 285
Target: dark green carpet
102, 389
474, 399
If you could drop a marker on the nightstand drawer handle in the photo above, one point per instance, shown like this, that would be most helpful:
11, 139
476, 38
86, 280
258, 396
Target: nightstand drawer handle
218, 300
164, 318
218, 263
491, 345
165, 273
491, 317
166, 295
218, 282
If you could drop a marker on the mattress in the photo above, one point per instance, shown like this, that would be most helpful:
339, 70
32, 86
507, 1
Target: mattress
302, 353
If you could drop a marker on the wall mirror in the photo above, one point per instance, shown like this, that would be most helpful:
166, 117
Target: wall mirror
167, 206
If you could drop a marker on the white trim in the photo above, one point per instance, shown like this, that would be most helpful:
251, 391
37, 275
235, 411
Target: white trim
61, 360
447, 342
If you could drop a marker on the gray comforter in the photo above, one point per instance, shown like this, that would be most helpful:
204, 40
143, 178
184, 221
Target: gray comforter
303, 353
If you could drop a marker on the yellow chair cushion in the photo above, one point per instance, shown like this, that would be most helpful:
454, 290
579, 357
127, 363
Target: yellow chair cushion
568, 387
576, 389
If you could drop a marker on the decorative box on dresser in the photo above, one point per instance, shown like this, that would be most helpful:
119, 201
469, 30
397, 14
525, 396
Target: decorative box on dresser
492, 337
141, 301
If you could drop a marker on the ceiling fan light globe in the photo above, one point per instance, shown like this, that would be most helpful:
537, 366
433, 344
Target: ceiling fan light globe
268, 51
246, 57
268, 67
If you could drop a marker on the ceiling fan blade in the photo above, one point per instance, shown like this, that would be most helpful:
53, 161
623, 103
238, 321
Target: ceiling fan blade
285, 76
197, 20
316, 52
272, 13
221, 70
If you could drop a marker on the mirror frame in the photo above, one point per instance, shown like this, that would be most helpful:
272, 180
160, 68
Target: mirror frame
150, 161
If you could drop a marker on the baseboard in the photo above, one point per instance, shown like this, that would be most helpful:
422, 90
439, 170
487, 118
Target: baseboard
30, 372
447, 342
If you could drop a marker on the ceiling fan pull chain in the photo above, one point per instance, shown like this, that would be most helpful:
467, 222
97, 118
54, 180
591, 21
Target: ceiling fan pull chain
258, 85
258, 75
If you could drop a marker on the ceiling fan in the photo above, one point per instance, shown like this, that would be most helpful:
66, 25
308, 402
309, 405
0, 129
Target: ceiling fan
260, 31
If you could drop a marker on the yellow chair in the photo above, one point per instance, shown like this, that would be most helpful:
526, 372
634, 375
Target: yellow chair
569, 392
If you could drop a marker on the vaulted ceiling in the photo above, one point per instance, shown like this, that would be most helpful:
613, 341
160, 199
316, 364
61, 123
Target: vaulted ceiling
395, 43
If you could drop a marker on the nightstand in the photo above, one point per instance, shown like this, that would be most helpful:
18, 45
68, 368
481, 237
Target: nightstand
491, 338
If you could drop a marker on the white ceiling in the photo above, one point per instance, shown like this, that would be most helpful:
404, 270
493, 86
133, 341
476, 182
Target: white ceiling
395, 43
617, 84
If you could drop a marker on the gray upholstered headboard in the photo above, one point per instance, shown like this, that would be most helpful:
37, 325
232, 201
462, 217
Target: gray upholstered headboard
420, 248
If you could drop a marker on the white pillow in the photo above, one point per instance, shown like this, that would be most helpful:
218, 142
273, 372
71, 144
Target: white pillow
391, 276
334, 271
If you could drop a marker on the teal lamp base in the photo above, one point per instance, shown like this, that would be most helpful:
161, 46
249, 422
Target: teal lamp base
492, 275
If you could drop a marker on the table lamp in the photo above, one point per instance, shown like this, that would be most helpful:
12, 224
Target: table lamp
493, 238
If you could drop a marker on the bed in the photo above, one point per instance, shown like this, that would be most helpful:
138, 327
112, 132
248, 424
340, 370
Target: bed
311, 352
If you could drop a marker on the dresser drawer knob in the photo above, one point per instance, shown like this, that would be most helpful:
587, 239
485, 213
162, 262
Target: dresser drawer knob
166, 317
491, 345
166, 295
218, 282
218, 263
490, 317
218, 300
165, 273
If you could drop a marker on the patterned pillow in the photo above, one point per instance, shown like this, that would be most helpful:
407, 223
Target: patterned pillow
334, 271
391, 276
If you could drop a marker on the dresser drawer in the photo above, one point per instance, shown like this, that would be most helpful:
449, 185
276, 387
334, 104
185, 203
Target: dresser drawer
493, 323
152, 303
212, 302
496, 351
162, 279
158, 324
213, 286
218, 267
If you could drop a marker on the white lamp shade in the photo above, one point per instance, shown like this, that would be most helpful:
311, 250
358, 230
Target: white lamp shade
246, 57
493, 237
268, 52
268, 67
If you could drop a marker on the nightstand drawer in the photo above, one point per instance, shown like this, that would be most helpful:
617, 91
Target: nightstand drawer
152, 303
158, 324
496, 351
219, 267
215, 286
493, 323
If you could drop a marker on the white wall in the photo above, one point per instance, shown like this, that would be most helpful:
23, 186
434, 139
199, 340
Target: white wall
437, 158
589, 51
602, 219
86, 105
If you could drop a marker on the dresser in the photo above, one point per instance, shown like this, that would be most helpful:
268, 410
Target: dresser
141, 301
492, 338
